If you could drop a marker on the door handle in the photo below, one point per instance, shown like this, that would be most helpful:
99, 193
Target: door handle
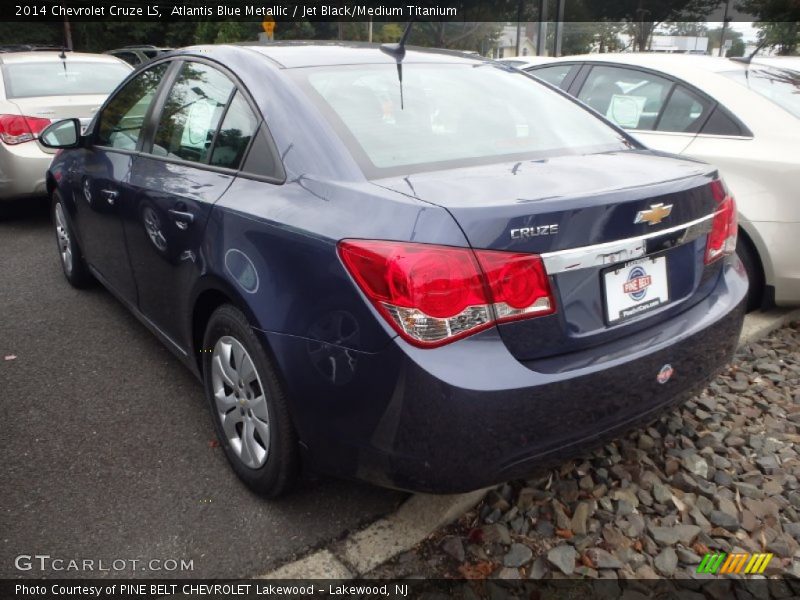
110, 195
182, 218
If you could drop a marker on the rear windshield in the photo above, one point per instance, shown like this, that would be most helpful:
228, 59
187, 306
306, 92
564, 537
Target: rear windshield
62, 78
782, 86
450, 115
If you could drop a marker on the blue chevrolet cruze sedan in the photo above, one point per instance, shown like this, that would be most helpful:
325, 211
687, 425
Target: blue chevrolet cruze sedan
434, 273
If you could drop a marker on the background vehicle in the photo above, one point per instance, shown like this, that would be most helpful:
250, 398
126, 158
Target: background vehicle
136, 55
37, 88
745, 120
431, 293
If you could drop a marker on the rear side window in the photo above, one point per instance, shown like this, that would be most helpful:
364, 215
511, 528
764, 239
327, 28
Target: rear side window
238, 128
121, 120
262, 158
62, 78
630, 98
685, 112
554, 75
192, 112
722, 123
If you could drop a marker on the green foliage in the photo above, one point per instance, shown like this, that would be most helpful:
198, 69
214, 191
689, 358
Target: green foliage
779, 25
736, 49
783, 36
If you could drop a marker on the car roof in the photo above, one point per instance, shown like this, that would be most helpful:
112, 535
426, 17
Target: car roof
292, 55
666, 62
48, 56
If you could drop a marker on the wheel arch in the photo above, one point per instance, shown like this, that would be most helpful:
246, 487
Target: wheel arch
211, 293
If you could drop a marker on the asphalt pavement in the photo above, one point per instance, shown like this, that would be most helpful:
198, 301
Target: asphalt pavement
107, 446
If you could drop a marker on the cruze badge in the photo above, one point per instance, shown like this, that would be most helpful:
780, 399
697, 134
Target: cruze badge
654, 215
535, 231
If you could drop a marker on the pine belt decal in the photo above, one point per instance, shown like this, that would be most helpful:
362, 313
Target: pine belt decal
720, 563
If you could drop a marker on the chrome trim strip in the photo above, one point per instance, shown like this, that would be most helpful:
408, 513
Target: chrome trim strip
609, 253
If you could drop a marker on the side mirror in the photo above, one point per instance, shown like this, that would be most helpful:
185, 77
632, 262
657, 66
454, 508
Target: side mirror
61, 134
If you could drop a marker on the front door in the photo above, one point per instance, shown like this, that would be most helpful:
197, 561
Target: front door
103, 191
204, 127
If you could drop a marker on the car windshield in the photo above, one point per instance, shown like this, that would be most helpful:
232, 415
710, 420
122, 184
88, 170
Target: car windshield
450, 115
782, 86
62, 78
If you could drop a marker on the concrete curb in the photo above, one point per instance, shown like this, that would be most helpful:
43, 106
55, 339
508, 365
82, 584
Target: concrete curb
760, 324
422, 514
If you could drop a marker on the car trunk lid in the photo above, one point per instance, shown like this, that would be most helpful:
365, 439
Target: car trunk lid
616, 231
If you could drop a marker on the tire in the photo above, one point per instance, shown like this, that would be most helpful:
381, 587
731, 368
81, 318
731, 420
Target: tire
73, 264
752, 265
242, 416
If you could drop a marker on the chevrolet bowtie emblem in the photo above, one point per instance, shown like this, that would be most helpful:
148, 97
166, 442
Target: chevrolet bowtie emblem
653, 216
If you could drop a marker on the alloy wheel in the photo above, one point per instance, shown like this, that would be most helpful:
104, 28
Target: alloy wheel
240, 401
64, 242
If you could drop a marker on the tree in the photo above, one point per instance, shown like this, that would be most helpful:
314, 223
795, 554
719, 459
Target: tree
736, 49
686, 28
779, 23
783, 36
644, 16
714, 36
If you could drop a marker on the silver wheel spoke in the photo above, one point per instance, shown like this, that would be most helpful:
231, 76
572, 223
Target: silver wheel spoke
263, 432
223, 372
247, 371
229, 422
248, 443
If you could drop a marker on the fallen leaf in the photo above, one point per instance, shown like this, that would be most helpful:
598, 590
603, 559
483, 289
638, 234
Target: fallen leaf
10, 357
475, 536
564, 533
587, 561
480, 570
637, 545
700, 548
213, 444
678, 504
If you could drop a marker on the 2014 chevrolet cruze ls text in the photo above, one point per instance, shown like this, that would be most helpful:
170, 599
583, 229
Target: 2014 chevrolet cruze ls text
432, 282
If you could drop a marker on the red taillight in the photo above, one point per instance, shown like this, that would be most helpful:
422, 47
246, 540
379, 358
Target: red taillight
16, 129
724, 228
433, 295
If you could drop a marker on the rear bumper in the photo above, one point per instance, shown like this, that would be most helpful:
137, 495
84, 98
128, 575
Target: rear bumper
469, 414
22, 170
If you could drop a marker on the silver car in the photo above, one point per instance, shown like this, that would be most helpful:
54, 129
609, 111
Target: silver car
37, 88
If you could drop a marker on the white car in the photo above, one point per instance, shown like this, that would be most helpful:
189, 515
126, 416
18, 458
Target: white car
37, 88
743, 119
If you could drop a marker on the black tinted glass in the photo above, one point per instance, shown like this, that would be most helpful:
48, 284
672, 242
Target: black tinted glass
122, 119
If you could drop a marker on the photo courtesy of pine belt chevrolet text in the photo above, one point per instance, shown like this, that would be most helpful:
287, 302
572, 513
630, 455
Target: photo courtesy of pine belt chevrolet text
422, 269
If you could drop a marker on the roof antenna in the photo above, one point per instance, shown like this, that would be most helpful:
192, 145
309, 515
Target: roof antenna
398, 51
63, 55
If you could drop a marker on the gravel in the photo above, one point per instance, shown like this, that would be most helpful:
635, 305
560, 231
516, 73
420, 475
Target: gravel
719, 474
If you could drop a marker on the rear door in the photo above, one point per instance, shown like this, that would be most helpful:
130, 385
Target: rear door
203, 130
103, 190
663, 114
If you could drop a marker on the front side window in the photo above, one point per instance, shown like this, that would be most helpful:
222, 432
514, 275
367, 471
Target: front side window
630, 98
450, 113
192, 113
121, 121
781, 86
62, 78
